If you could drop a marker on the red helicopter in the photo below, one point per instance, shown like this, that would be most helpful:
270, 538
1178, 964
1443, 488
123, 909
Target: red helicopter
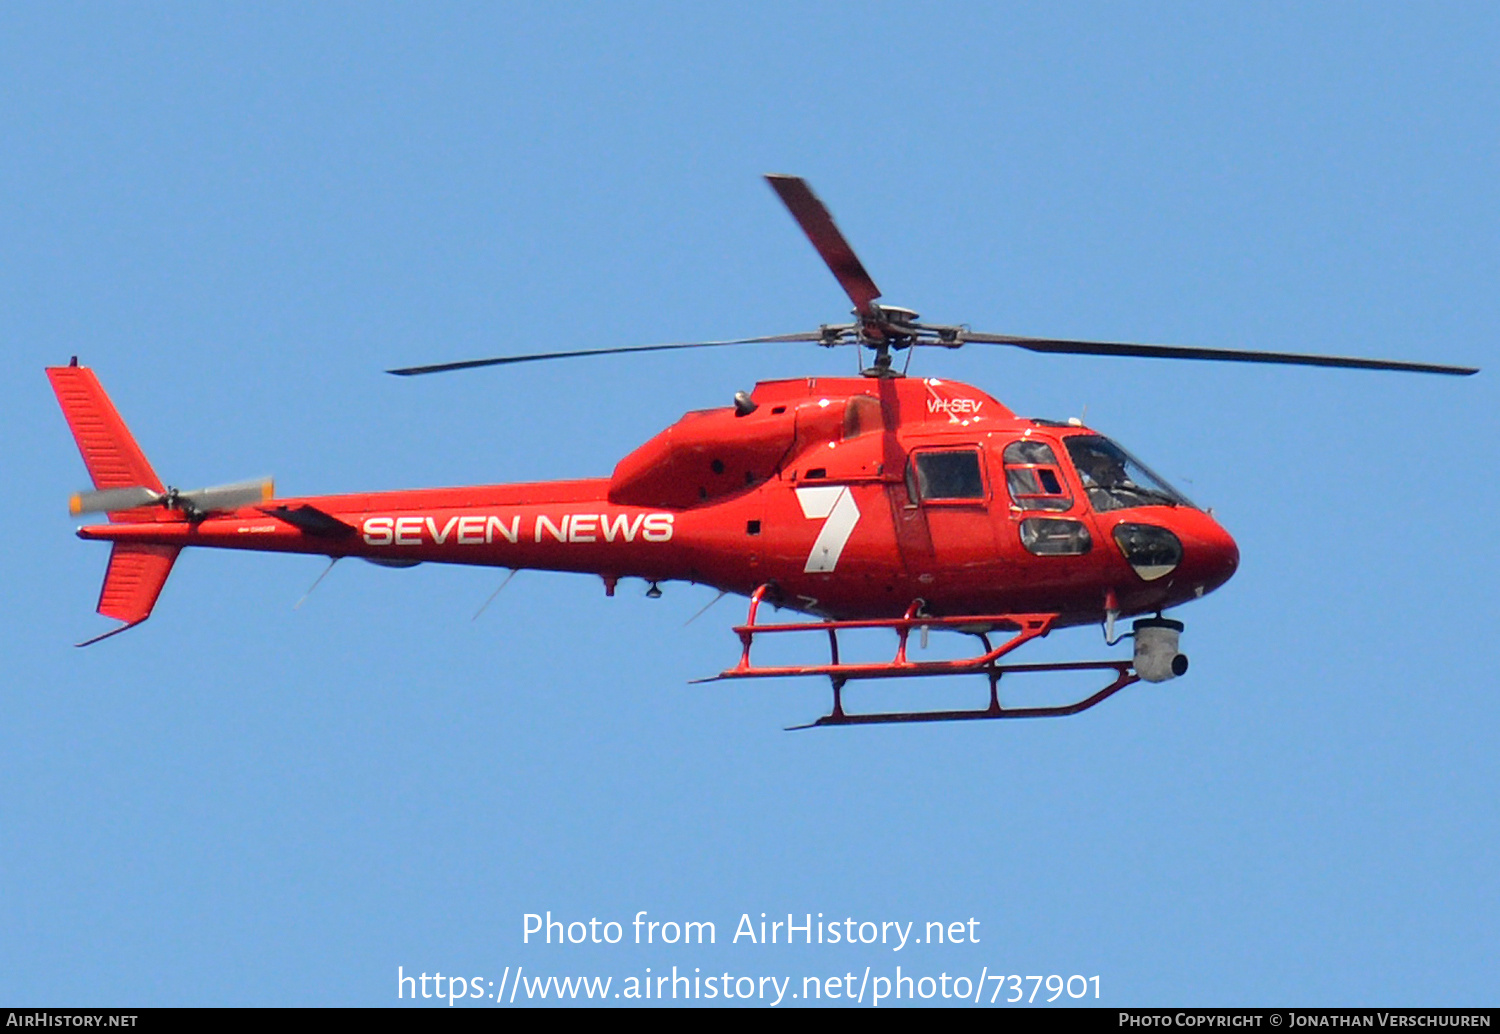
881, 501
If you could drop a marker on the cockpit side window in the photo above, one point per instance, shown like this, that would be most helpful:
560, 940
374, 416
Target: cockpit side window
1116, 480
950, 475
1033, 477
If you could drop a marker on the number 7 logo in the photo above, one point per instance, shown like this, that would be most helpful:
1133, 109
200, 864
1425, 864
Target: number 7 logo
834, 505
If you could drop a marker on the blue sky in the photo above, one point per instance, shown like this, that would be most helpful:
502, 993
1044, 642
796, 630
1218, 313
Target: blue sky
240, 215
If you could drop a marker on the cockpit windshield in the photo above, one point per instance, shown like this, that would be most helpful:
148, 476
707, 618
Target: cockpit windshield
1115, 479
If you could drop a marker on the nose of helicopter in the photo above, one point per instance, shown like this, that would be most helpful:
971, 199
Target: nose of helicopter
1210, 555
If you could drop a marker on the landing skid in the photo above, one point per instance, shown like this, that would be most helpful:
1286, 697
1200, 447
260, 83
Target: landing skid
1124, 677
1026, 627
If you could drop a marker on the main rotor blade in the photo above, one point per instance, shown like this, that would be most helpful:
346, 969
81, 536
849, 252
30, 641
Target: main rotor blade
1234, 355
813, 217
505, 360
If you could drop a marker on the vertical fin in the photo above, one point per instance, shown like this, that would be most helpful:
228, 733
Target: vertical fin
110, 452
132, 582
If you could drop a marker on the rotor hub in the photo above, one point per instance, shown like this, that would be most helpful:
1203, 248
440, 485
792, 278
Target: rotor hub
896, 314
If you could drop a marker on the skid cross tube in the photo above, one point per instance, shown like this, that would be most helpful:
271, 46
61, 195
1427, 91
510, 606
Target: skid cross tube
1026, 627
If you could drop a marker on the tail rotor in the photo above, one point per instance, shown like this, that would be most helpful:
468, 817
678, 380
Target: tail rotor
194, 505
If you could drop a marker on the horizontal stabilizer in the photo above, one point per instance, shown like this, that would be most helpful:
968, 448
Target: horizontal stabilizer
311, 521
134, 579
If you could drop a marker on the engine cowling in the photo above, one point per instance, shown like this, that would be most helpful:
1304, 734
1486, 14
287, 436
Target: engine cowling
706, 455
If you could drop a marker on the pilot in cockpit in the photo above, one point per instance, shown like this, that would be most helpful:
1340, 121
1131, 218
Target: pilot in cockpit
1114, 479
1099, 469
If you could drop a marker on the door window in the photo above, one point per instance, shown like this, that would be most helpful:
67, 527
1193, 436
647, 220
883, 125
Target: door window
1033, 477
949, 475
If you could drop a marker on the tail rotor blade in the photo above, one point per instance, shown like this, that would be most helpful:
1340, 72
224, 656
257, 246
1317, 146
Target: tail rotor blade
110, 500
228, 497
